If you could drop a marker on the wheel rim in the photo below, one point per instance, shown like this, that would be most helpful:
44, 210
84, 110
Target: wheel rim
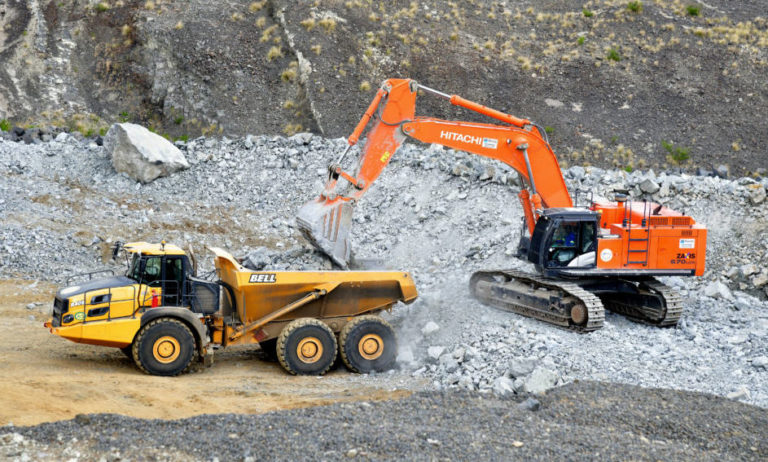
166, 349
309, 350
371, 346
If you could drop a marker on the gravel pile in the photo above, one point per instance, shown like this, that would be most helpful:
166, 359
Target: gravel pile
437, 213
581, 421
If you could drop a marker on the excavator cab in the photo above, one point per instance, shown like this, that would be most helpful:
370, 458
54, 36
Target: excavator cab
563, 238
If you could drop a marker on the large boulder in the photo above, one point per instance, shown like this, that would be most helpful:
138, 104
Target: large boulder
141, 154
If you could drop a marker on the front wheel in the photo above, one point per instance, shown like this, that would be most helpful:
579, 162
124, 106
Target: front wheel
368, 344
164, 346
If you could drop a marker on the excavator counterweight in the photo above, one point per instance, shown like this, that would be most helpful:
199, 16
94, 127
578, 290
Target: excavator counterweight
588, 258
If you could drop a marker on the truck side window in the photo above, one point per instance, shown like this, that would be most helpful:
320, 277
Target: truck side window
152, 270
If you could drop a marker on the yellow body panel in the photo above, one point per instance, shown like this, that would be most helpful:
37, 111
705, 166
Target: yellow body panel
113, 333
125, 301
145, 248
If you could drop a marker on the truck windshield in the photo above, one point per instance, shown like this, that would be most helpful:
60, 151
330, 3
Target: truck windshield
134, 271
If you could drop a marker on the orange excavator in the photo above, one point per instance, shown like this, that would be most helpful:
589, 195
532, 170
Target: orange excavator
604, 256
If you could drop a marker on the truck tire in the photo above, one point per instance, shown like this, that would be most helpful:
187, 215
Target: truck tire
306, 346
164, 346
367, 344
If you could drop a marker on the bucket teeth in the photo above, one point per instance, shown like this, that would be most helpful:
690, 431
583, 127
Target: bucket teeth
326, 226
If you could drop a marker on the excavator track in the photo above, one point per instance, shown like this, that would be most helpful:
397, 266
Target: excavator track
557, 302
655, 303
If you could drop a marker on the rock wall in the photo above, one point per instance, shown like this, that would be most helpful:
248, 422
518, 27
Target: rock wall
664, 86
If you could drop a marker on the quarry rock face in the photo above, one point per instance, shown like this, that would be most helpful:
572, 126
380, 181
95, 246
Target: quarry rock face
141, 154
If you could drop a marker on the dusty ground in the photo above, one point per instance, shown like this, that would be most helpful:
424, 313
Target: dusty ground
46, 378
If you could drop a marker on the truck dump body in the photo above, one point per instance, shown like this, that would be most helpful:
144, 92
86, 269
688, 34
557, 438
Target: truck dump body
261, 297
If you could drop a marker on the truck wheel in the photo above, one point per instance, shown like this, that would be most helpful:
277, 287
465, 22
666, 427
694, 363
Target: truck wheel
367, 343
306, 346
164, 346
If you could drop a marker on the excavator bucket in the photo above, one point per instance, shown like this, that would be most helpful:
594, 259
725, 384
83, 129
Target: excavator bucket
326, 224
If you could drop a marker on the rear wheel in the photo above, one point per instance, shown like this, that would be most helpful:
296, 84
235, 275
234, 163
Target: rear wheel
306, 346
164, 346
368, 344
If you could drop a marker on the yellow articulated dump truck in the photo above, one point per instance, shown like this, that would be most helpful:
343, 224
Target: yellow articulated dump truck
164, 318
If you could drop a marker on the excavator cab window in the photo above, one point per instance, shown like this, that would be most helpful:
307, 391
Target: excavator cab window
563, 247
571, 239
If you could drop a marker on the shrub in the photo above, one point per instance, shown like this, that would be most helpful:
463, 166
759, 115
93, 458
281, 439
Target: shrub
274, 52
635, 7
614, 55
5, 125
587, 13
692, 10
677, 153
102, 7
581, 40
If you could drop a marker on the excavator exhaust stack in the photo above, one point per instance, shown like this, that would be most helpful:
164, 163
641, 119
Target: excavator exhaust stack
326, 224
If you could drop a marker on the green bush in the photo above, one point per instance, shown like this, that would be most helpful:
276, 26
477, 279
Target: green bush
581, 40
678, 153
587, 13
692, 10
635, 7
5, 125
614, 55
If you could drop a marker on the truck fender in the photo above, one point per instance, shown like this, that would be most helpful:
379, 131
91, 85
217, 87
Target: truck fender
199, 330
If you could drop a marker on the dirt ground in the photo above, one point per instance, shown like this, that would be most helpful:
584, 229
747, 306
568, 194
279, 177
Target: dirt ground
46, 378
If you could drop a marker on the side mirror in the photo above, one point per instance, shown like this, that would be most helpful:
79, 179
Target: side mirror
116, 249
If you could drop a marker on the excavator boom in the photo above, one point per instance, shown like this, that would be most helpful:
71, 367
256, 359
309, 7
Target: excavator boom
326, 221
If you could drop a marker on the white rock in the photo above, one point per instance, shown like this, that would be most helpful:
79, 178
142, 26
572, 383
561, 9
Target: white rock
540, 381
553, 102
405, 356
503, 386
522, 367
757, 195
738, 394
434, 352
749, 269
649, 186
141, 154
760, 362
430, 328
718, 290
760, 280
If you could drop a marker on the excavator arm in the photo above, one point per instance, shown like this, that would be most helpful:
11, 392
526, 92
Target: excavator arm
326, 221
